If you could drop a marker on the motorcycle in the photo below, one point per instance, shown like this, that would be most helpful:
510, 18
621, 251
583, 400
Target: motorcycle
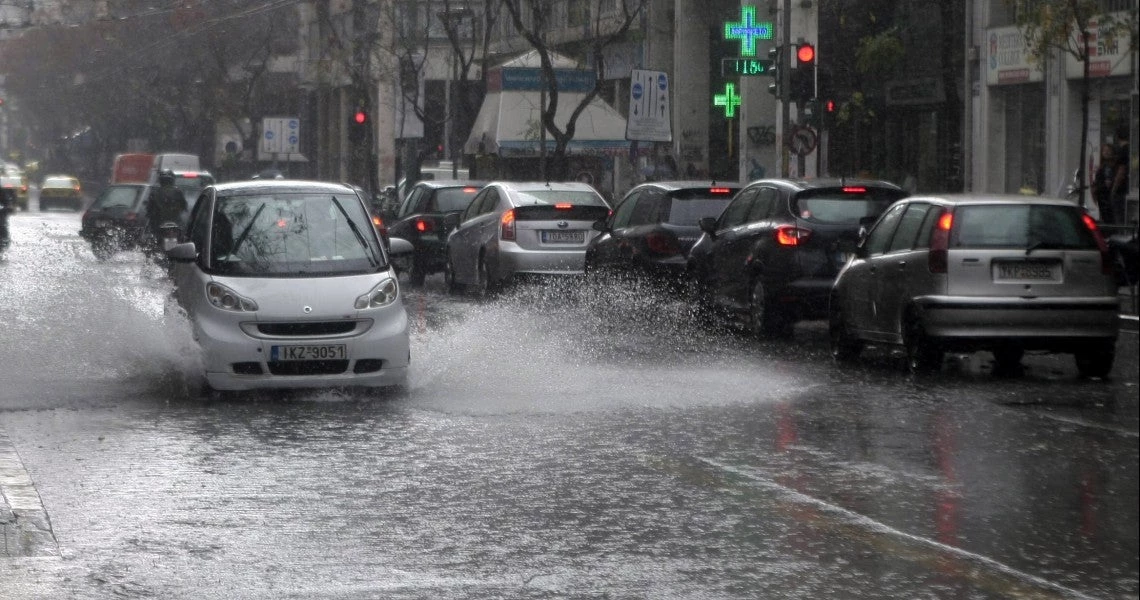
7, 207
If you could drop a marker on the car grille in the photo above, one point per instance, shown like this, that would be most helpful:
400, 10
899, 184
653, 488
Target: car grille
307, 328
308, 367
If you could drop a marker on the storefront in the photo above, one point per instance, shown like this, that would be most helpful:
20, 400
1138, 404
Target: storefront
1015, 116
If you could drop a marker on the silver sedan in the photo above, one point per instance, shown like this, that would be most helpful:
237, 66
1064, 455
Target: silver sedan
515, 228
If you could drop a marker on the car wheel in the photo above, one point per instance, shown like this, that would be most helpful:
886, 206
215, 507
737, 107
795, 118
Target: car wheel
845, 348
483, 285
1095, 359
922, 353
416, 275
763, 319
1007, 360
102, 249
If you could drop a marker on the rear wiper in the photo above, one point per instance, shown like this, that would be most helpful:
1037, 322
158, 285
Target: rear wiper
356, 231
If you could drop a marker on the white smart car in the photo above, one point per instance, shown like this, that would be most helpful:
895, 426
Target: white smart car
287, 285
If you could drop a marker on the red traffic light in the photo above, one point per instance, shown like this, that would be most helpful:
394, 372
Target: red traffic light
360, 117
805, 54
830, 106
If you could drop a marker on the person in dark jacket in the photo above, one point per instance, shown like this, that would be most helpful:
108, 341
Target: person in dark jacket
165, 205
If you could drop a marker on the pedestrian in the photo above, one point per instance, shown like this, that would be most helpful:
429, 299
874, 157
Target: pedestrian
1118, 190
1102, 181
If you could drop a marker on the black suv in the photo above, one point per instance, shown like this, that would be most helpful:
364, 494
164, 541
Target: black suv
771, 257
420, 221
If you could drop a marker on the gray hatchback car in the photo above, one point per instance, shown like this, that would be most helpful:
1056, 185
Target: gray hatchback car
999, 273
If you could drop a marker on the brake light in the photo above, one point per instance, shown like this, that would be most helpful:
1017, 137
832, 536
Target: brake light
563, 206
377, 222
662, 243
423, 226
1101, 244
507, 225
720, 190
790, 235
854, 189
940, 243
188, 175
470, 190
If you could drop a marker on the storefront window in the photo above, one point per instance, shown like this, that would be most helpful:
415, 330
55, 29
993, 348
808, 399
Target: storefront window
1024, 138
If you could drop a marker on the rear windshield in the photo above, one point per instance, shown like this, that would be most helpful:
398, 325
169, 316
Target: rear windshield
577, 197
1021, 226
843, 206
59, 182
119, 197
454, 199
293, 233
687, 207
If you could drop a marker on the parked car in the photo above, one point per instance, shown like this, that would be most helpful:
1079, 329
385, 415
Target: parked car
420, 220
654, 226
17, 182
61, 191
1004, 274
513, 228
287, 285
770, 258
116, 219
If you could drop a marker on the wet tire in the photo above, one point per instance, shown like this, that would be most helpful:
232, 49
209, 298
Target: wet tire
453, 287
923, 355
416, 275
483, 286
102, 250
763, 320
845, 348
1095, 360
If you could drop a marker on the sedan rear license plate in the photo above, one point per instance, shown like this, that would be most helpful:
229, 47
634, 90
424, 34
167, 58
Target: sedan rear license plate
1032, 271
563, 237
307, 352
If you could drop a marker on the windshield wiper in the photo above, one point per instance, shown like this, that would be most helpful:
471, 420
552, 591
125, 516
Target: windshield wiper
245, 232
356, 231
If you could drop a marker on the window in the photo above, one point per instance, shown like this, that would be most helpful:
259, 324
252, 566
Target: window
1020, 226
880, 236
624, 210
763, 206
737, 211
648, 209
909, 226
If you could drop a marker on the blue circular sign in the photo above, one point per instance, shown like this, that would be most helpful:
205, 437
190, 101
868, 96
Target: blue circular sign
637, 91
268, 135
662, 82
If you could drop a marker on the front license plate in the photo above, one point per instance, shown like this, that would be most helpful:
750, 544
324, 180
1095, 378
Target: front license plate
563, 237
1022, 271
308, 352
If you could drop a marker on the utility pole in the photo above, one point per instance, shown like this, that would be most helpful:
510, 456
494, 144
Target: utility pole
785, 83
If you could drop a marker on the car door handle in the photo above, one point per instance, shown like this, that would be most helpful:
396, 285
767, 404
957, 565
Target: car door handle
901, 265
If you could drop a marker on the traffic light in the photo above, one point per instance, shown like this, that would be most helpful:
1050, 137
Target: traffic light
776, 54
827, 115
358, 123
803, 77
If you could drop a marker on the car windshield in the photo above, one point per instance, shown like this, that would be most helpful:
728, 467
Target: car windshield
1020, 226
119, 197
298, 233
454, 199
690, 206
579, 197
58, 182
844, 206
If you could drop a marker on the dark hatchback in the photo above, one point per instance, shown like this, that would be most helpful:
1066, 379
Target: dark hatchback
653, 226
420, 220
116, 220
771, 257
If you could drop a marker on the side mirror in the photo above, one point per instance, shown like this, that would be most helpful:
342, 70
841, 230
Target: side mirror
185, 253
451, 221
708, 225
398, 246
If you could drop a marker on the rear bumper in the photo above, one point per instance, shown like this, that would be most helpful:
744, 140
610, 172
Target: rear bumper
1023, 319
513, 259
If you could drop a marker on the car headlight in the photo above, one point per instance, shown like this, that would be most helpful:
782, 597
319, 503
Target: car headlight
383, 294
226, 299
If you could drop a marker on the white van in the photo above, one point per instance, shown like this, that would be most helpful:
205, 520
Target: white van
175, 162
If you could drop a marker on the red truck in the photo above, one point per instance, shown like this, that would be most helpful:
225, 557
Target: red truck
132, 168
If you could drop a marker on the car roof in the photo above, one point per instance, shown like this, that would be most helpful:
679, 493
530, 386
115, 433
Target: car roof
690, 184
448, 183
287, 185
525, 186
826, 182
996, 198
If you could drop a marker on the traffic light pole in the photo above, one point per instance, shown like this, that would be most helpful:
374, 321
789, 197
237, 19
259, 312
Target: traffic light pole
785, 83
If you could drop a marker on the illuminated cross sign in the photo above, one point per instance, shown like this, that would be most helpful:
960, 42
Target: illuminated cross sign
729, 100
730, 67
748, 31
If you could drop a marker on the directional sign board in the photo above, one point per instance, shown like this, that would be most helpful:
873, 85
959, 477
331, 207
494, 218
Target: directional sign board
649, 115
280, 135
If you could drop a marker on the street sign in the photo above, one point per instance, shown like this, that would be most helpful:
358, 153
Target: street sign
649, 115
744, 67
803, 140
280, 135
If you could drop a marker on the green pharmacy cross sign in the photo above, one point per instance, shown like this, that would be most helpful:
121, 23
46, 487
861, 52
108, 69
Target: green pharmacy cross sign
748, 30
729, 100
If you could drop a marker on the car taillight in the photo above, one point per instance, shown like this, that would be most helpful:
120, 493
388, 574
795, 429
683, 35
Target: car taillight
940, 242
790, 235
662, 243
1101, 244
563, 206
720, 191
854, 189
377, 222
424, 226
507, 225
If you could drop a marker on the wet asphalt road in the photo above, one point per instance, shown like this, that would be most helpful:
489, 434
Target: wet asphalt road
562, 441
